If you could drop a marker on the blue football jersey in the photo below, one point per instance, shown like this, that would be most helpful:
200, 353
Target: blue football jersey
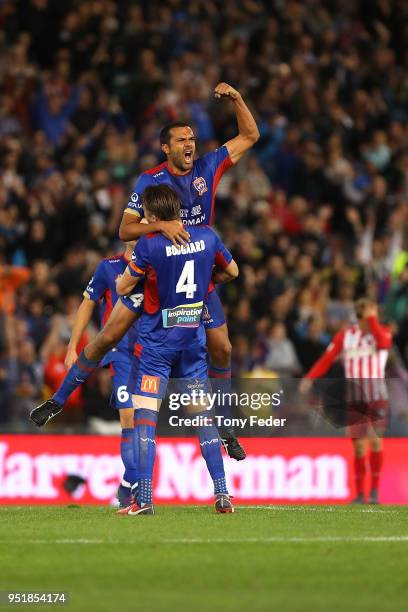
196, 189
102, 287
175, 286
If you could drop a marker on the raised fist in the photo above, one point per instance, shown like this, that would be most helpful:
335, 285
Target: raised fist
223, 90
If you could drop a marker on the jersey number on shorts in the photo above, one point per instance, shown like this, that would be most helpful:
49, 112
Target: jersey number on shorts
185, 283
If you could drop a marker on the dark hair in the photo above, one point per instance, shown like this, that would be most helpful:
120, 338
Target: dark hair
162, 202
165, 132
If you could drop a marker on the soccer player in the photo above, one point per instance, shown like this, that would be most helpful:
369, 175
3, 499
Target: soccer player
102, 288
171, 339
364, 349
195, 181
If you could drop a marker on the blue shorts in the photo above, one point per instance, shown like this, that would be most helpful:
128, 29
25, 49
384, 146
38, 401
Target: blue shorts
213, 312
134, 302
120, 373
152, 369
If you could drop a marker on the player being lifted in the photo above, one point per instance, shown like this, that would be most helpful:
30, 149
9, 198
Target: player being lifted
171, 339
195, 181
364, 349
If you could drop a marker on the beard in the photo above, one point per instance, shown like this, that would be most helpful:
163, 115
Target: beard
180, 162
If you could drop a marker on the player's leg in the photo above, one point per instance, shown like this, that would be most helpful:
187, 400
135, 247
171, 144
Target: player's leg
192, 366
147, 384
122, 401
129, 479
219, 369
359, 445
376, 461
119, 322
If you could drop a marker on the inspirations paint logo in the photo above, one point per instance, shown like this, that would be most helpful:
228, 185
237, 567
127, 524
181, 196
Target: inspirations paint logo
185, 315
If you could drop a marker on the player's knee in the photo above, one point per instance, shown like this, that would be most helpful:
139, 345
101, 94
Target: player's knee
376, 444
142, 402
106, 339
359, 447
126, 416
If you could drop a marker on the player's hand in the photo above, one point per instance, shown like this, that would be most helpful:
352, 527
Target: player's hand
70, 358
370, 311
223, 90
174, 231
305, 385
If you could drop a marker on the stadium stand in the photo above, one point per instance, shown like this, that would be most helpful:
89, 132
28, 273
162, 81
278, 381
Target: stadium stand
316, 217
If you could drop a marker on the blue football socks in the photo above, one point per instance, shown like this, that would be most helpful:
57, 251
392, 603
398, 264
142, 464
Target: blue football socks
145, 431
127, 454
76, 376
210, 445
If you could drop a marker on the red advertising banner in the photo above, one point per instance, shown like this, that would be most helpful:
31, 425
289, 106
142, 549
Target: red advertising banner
289, 470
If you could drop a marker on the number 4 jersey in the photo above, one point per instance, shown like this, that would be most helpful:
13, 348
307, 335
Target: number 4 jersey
102, 287
176, 285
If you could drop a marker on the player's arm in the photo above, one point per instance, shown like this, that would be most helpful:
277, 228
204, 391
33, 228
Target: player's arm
323, 364
225, 268
227, 274
131, 228
94, 291
81, 322
126, 282
248, 132
381, 333
135, 271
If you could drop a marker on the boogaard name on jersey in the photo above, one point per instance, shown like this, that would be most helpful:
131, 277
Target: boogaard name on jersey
191, 247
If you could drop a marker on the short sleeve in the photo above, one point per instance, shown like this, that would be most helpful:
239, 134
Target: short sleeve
134, 205
217, 161
97, 285
222, 255
140, 259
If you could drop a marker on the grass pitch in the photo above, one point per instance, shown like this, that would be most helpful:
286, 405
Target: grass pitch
284, 558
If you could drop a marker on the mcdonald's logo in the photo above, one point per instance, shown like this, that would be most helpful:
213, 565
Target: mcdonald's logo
150, 384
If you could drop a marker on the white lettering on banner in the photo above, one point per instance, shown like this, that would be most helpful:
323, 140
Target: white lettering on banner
23, 475
47, 467
276, 477
103, 477
181, 475
19, 475
174, 473
331, 474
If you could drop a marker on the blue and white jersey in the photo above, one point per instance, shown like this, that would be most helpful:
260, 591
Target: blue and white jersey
102, 287
196, 189
176, 285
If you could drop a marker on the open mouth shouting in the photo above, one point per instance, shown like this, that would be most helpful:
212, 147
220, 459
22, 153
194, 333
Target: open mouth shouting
188, 156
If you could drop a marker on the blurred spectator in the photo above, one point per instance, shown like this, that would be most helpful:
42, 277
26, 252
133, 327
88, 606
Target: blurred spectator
281, 356
29, 376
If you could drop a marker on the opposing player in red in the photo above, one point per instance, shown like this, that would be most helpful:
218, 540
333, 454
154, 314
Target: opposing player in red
364, 349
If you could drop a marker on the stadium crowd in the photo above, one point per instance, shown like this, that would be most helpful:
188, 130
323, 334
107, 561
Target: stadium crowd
316, 216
